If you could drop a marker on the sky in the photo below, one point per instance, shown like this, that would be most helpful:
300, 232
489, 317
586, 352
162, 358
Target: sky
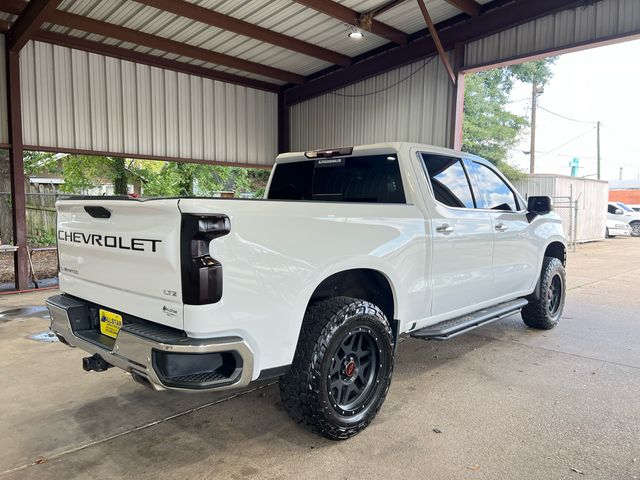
597, 84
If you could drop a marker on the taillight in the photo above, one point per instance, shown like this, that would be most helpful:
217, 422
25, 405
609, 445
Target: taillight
201, 274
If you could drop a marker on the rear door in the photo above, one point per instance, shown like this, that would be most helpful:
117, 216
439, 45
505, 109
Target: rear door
515, 251
462, 238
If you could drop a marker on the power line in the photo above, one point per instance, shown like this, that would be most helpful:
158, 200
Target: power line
519, 100
564, 116
355, 95
567, 143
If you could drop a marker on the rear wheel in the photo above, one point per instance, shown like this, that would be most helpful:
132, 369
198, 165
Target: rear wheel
342, 368
545, 308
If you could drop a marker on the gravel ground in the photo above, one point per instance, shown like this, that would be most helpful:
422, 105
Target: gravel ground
44, 263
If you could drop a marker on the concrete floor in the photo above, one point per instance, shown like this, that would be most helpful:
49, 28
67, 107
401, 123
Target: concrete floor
511, 403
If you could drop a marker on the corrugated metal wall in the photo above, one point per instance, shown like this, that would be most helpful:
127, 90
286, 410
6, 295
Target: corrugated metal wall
587, 221
606, 18
77, 100
411, 103
4, 119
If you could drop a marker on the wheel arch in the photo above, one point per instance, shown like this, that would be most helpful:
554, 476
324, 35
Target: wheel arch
367, 284
557, 250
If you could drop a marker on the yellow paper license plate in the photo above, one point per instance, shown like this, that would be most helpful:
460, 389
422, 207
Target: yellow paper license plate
110, 323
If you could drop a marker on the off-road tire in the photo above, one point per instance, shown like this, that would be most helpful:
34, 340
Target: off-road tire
306, 388
542, 311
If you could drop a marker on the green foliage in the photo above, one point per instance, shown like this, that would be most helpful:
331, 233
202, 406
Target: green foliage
512, 172
189, 179
158, 178
43, 238
120, 180
489, 130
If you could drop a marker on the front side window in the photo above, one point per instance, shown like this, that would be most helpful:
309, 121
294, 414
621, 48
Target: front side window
448, 181
612, 209
494, 193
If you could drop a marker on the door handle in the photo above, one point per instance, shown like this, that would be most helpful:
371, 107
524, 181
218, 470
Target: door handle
445, 228
501, 227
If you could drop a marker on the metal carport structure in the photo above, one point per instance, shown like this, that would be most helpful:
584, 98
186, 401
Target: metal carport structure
234, 82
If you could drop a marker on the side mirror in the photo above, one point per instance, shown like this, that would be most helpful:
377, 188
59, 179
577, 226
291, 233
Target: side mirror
619, 211
539, 205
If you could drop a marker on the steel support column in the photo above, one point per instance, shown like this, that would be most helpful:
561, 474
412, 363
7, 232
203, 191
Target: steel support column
283, 124
457, 100
19, 216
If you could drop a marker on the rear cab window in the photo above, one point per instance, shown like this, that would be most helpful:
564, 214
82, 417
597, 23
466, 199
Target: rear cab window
449, 181
364, 179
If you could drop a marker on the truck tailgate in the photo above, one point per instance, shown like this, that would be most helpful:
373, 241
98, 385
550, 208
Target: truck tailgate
124, 255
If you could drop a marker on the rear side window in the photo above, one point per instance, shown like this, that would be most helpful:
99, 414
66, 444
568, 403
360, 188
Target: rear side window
449, 181
372, 179
494, 193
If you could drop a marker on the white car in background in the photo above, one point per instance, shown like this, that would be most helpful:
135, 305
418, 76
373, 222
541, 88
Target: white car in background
619, 223
629, 211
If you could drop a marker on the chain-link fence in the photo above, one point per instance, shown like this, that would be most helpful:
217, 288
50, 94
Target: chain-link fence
567, 208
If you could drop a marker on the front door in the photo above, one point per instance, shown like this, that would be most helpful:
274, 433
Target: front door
515, 250
462, 239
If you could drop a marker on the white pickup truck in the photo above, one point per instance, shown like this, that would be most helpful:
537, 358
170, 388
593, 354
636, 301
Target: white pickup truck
351, 248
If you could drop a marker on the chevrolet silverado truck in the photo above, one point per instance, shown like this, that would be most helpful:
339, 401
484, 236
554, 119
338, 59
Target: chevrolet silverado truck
349, 249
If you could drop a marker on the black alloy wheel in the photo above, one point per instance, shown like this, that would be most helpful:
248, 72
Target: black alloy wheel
353, 372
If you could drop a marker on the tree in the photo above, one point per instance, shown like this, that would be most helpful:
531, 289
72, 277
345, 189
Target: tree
6, 221
489, 129
189, 179
120, 176
83, 172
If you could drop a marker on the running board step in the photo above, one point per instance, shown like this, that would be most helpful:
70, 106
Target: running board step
454, 327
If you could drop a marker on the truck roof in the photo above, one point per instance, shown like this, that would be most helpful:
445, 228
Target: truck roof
370, 149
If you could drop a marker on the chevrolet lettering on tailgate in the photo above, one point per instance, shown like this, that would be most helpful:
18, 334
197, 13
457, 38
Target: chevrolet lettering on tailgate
109, 241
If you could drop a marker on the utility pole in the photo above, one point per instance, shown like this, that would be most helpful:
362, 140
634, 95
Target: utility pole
598, 147
534, 105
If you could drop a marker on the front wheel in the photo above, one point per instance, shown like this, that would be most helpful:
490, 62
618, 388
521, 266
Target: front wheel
545, 308
342, 368
635, 229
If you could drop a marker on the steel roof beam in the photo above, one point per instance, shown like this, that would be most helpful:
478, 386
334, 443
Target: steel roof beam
151, 60
29, 21
225, 22
346, 15
124, 34
436, 40
470, 7
494, 20
171, 46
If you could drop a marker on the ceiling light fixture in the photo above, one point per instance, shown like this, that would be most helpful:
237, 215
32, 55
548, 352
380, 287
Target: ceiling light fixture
355, 33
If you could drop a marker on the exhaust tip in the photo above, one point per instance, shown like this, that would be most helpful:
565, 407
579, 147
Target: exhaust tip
141, 379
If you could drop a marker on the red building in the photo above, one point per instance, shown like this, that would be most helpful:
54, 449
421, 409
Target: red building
625, 191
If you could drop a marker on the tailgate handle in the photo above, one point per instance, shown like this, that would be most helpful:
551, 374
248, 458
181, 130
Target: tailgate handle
98, 212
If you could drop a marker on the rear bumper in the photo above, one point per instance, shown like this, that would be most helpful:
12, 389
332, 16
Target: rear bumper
154, 355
